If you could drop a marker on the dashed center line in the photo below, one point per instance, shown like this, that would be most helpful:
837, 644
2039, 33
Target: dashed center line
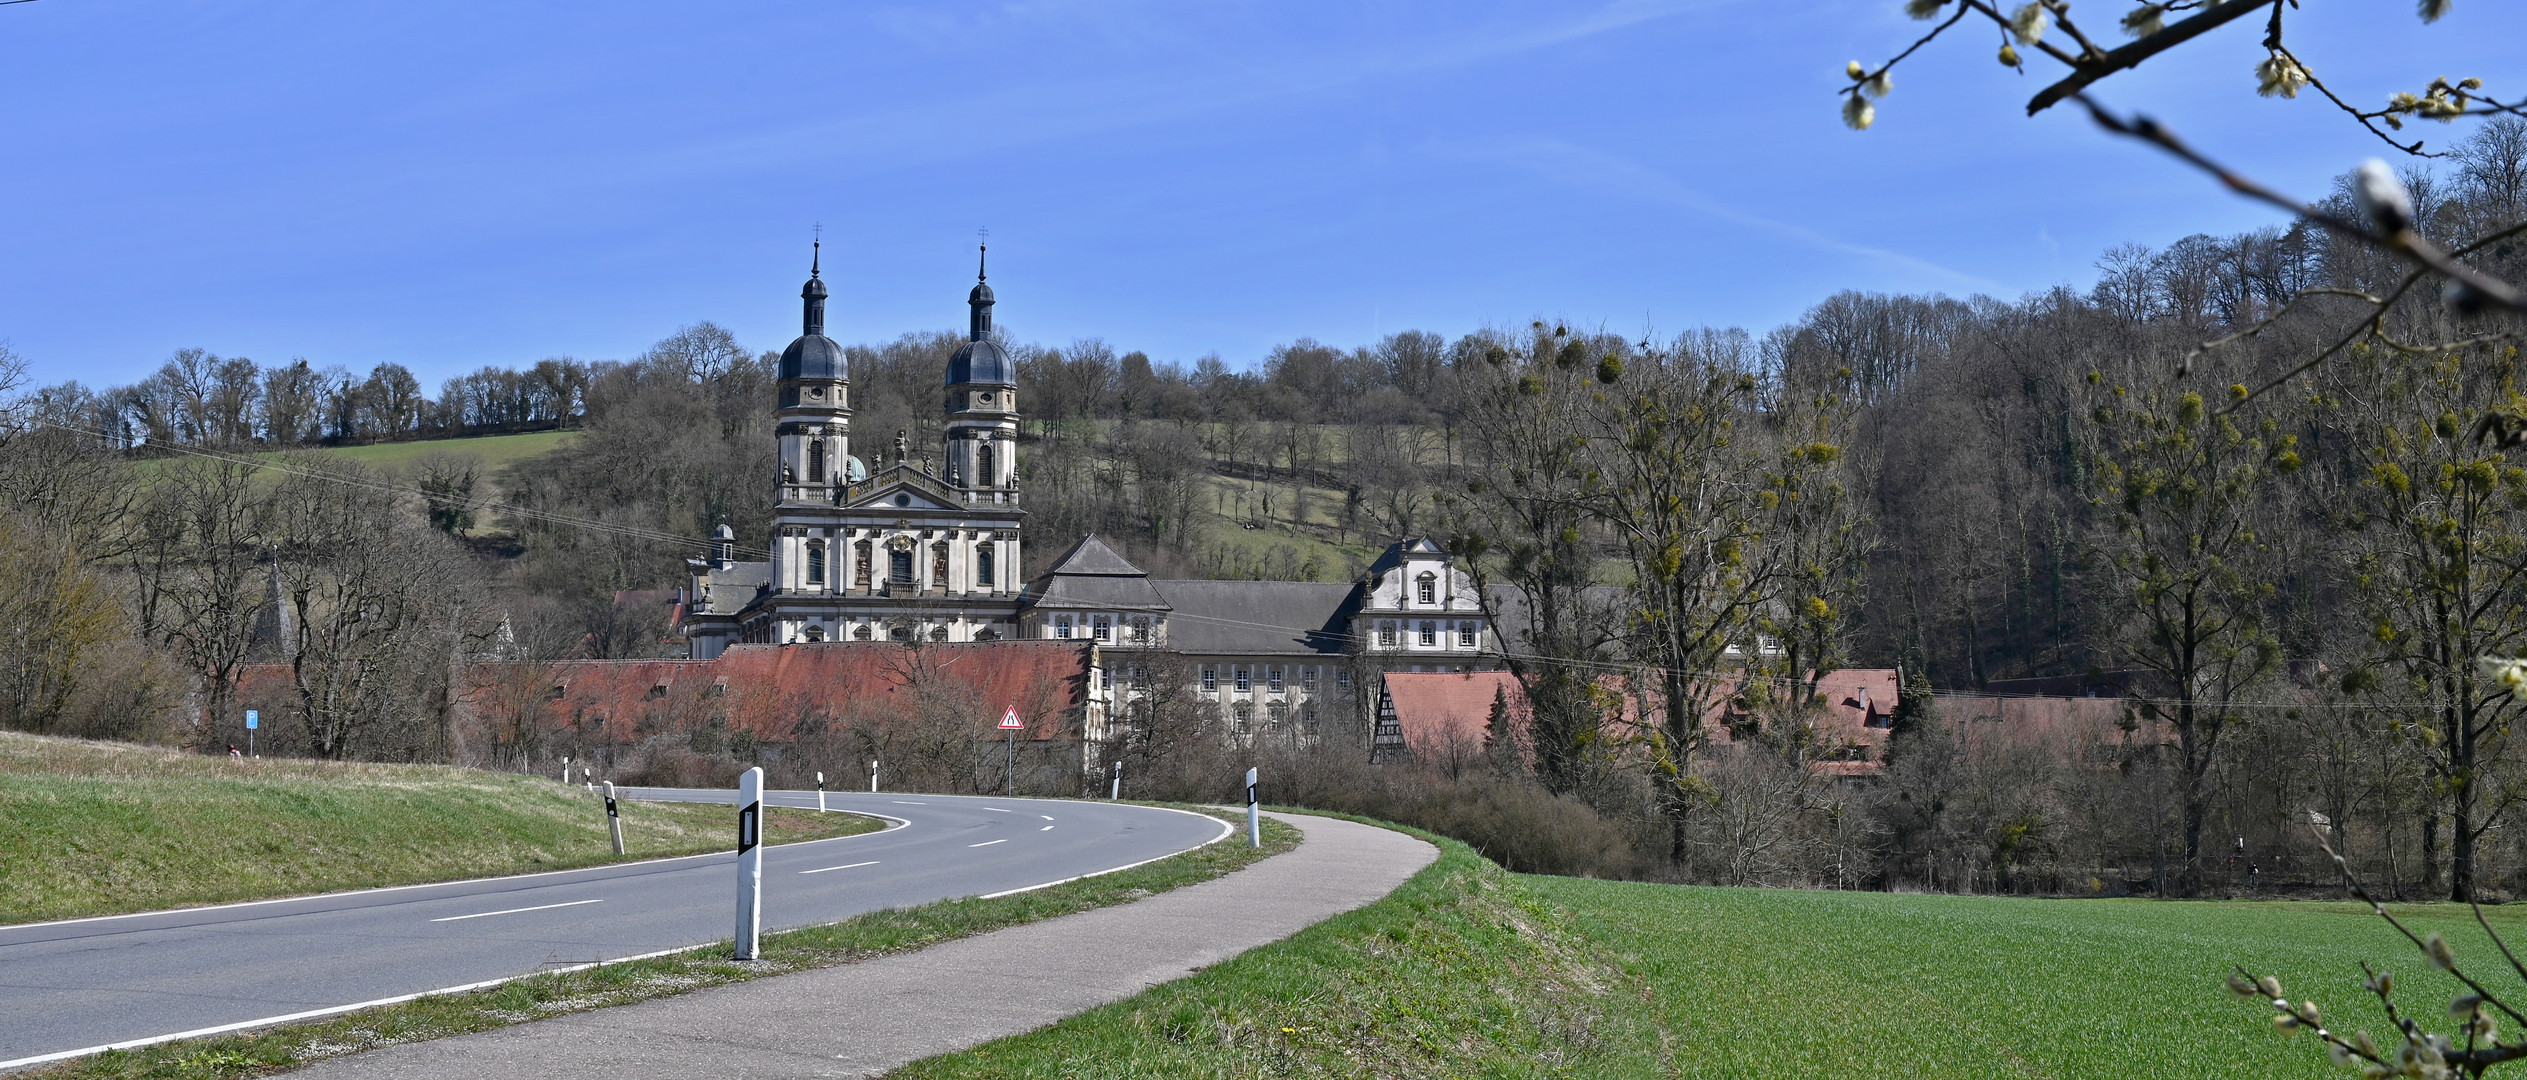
988, 843
515, 910
846, 866
1047, 828
907, 802
1047, 817
997, 810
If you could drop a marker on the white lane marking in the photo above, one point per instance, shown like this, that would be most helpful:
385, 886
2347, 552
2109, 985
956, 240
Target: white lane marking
1047, 828
907, 802
997, 810
872, 862
1047, 817
515, 910
893, 823
1226, 830
988, 843
329, 1010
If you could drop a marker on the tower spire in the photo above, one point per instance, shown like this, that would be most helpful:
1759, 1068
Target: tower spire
812, 315
980, 299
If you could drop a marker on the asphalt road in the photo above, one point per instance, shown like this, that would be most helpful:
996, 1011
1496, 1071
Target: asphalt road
87, 984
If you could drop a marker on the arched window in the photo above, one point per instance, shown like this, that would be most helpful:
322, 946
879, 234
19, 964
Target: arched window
983, 564
901, 633
939, 564
815, 562
860, 567
984, 474
860, 632
1428, 587
814, 633
816, 461
938, 633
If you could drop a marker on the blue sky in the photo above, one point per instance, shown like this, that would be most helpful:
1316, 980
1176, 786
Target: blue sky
451, 186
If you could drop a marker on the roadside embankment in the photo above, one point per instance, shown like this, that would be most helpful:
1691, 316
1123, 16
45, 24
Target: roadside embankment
96, 828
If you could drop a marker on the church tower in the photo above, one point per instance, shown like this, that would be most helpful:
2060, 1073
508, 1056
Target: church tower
813, 421
982, 401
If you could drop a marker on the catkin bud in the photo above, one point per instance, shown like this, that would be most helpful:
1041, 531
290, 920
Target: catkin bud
2441, 956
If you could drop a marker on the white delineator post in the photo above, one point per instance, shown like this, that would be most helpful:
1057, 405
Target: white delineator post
1118, 781
749, 863
872, 776
565, 769
1254, 813
613, 817
820, 793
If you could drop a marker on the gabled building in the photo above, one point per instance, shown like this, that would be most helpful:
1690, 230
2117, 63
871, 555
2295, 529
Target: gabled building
890, 549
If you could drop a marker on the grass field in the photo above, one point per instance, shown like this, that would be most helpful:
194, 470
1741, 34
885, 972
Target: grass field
101, 828
1469, 971
497, 451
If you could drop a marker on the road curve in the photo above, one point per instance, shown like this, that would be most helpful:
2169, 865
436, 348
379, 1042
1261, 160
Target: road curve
83, 985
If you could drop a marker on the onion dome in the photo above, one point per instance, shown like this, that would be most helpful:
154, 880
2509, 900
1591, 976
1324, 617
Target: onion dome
813, 355
981, 361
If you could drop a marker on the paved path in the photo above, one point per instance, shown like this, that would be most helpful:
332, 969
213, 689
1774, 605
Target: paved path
76, 986
861, 1019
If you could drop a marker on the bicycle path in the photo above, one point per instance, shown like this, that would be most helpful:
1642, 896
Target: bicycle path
862, 1019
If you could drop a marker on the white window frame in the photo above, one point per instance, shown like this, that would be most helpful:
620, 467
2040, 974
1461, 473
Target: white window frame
1244, 679
1210, 679
1061, 627
1101, 627
1429, 633
1469, 635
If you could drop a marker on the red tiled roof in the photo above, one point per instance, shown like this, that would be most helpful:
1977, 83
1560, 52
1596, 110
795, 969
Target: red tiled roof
1451, 709
767, 691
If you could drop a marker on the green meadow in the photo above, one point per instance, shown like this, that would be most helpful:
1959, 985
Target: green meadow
1470, 971
92, 828
497, 451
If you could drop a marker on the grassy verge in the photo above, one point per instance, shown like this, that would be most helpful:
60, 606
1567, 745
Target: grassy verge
1463, 971
1470, 971
541, 996
104, 828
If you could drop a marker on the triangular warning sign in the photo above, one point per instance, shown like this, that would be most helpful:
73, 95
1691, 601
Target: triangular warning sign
1010, 719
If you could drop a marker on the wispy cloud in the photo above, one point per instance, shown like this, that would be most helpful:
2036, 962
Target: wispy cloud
1186, 84
1591, 169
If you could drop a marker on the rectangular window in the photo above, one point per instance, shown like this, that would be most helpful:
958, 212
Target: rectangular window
1469, 634
1105, 678
1140, 631
1104, 628
1272, 679
1061, 626
1245, 680
1342, 678
1386, 635
1430, 633
1307, 679
1210, 680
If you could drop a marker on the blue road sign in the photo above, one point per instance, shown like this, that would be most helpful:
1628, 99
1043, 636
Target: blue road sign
252, 719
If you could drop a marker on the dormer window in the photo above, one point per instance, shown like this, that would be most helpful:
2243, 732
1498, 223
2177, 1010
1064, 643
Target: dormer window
1426, 588
1102, 628
1061, 626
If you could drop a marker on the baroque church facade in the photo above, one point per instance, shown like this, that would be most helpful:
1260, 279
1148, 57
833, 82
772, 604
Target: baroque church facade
886, 550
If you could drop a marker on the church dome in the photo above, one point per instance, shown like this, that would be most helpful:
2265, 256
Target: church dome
814, 356
982, 363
